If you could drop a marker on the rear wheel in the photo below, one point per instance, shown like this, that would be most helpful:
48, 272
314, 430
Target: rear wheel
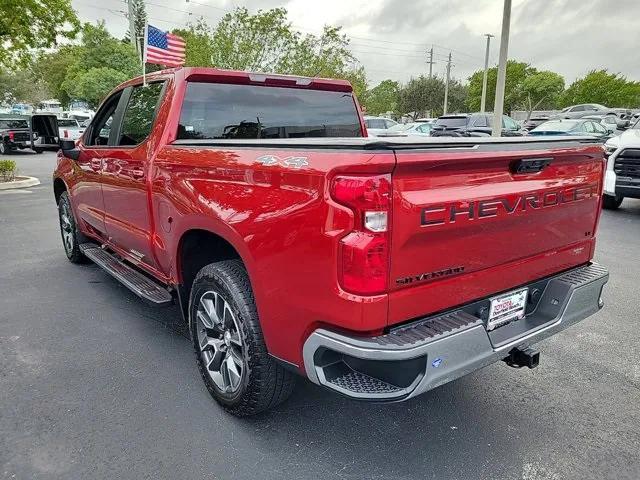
68, 230
3, 148
37, 150
611, 202
230, 350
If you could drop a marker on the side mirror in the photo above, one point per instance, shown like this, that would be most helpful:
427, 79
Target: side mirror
622, 124
69, 149
67, 145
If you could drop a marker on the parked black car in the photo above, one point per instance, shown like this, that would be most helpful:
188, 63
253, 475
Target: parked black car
533, 122
473, 125
38, 132
15, 133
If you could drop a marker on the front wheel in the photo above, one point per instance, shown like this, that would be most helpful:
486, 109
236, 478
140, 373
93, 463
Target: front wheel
3, 148
230, 350
611, 202
68, 230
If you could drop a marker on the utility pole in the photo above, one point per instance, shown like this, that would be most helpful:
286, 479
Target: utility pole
496, 131
132, 25
431, 62
446, 86
484, 77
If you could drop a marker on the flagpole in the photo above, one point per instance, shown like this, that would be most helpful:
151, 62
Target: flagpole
144, 54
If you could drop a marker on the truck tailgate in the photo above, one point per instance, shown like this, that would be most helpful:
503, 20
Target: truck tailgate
472, 221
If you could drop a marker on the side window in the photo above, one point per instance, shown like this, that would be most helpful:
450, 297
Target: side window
390, 123
599, 128
100, 127
480, 121
509, 123
424, 128
139, 114
588, 127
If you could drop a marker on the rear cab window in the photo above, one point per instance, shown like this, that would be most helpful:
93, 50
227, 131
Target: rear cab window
7, 124
234, 111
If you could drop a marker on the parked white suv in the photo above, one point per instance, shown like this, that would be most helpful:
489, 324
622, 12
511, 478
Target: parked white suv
622, 178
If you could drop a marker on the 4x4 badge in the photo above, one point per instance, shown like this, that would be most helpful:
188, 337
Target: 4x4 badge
291, 162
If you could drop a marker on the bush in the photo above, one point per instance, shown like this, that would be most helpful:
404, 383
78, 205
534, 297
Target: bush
7, 170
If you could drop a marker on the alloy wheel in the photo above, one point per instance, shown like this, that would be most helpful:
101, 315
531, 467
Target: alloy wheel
220, 342
66, 227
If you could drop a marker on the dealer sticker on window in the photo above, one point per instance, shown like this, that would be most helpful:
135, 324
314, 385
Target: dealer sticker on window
506, 308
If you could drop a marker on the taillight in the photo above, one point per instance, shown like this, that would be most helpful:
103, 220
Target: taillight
364, 252
11, 134
66, 133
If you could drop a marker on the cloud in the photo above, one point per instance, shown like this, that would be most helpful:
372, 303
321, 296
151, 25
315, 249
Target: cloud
391, 37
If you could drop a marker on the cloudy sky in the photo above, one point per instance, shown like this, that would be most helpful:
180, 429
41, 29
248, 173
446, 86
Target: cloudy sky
391, 38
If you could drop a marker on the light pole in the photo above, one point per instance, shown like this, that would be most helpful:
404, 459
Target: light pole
132, 25
484, 77
496, 131
446, 86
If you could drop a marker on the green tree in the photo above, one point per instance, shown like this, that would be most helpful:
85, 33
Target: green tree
420, 96
514, 95
382, 98
99, 54
93, 85
32, 24
199, 49
52, 69
21, 86
139, 22
267, 42
541, 90
600, 86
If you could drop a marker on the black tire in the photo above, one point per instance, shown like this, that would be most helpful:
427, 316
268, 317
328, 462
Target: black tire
37, 150
611, 202
69, 231
263, 382
3, 148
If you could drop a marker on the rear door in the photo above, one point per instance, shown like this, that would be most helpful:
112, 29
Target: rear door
126, 171
467, 224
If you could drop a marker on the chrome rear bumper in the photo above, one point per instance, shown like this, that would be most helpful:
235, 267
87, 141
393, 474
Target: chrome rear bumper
418, 357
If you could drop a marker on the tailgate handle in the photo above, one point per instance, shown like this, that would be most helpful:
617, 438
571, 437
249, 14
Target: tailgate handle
530, 165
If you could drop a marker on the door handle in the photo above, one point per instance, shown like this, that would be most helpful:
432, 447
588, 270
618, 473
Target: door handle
96, 164
137, 172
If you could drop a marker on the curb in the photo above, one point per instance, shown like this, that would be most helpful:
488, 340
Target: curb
25, 182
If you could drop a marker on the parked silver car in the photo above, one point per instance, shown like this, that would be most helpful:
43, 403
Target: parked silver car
377, 125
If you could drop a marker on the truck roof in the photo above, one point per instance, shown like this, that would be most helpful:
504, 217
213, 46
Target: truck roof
206, 74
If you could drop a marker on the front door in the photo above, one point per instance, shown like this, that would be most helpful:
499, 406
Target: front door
126, 173
87, 191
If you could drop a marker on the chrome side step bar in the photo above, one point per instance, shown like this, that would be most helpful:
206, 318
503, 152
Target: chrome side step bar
145, 288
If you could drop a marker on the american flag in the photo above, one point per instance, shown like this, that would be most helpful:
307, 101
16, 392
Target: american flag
164, 48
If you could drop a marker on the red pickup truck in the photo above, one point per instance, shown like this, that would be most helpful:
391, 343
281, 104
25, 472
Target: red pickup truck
377, 268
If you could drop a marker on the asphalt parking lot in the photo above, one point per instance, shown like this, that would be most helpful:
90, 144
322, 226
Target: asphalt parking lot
95, 384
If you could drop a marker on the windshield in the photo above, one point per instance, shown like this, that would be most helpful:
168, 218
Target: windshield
401, 127
564, 126
11, 123
67, 123
450, 122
